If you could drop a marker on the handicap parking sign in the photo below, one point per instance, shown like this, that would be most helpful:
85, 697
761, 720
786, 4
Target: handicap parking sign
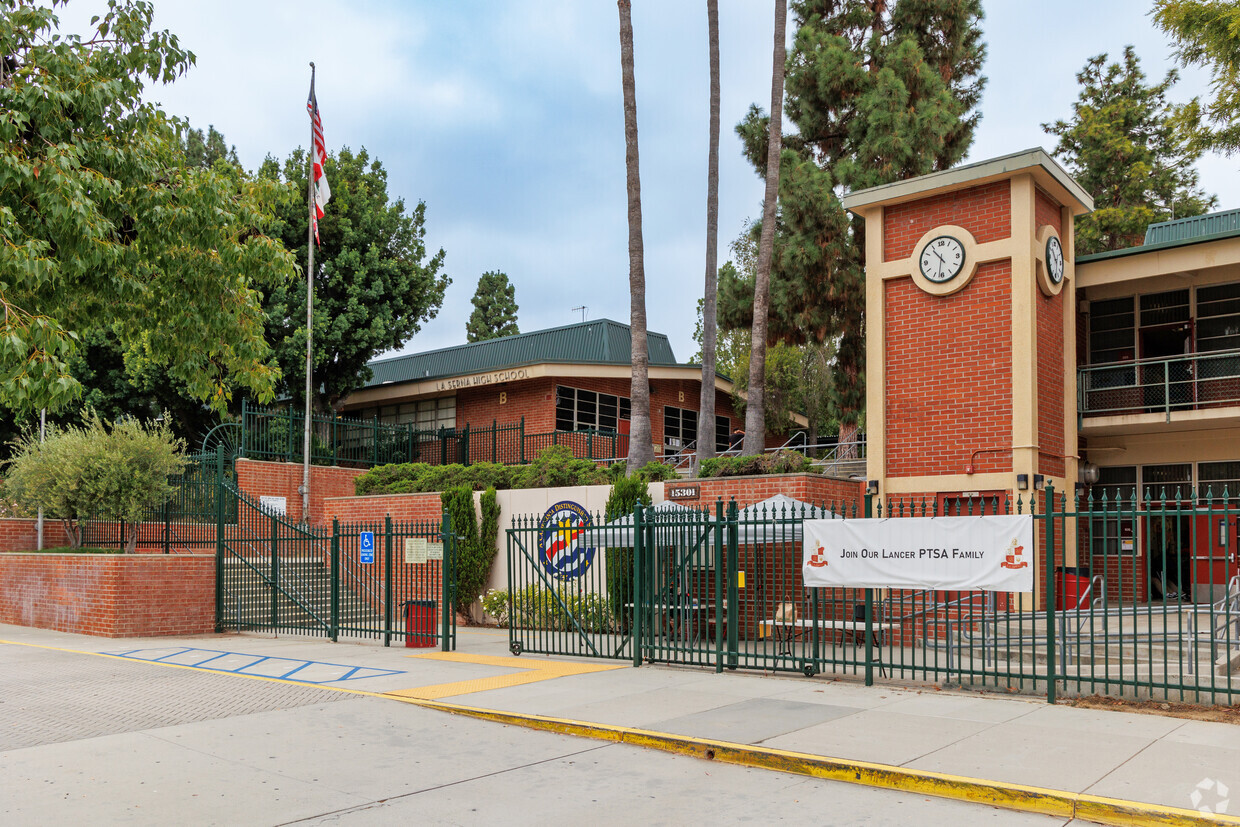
366, 542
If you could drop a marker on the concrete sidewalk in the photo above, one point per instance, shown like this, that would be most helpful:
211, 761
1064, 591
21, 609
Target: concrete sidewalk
1010, 740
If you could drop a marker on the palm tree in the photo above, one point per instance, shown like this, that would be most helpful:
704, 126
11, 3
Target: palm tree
706, 415
755, 425
641, 449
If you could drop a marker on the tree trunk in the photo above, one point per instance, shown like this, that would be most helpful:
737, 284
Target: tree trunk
706, 410
755, 421
641, 451
131, 537
73, 530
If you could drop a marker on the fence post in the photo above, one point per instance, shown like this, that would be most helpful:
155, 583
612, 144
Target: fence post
168, 520
333, 630
275, 573
334, 418
445, 567
733, 577
219, 535
869, 637
494, 439
639, 547
387, 580
463, 447
1048, 514
719, 599
522, 441
443, 446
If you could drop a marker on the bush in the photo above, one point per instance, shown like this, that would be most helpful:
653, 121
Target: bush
535, 607
495, 604
625, 495
556, 467
475, 546
116, 472
779, 462
419, 477
655, 471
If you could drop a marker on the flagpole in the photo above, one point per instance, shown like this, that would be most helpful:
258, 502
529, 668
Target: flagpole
305, 468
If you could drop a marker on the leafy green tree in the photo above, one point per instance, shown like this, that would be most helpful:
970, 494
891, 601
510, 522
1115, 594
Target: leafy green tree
1207, 33
116, 472
374, 285
495, 309
878, 91
1123, 147
204, 149
476, 544
101, 218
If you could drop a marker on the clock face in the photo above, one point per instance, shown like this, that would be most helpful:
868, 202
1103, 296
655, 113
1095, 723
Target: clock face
942, 259
1054, 260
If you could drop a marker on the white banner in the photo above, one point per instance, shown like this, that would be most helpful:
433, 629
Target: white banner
954, 553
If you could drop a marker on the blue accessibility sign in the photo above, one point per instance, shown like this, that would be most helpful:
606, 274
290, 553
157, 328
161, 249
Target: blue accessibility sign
366, 542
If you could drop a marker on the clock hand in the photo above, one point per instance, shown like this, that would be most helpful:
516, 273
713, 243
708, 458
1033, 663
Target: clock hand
939, 257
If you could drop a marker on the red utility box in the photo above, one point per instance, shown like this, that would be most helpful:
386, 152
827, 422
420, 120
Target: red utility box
1071, 584
420, 624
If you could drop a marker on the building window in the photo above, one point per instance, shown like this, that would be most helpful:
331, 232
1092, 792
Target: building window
580, 410
423, 415
1215, 478
1112, 496
1112, 331
1174, 482
679, 427
723, 433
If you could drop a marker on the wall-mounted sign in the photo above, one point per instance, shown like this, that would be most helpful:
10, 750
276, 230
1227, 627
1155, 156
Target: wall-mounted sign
960, 553
479, 379
683, 492
366, 546
274, 505
564, 554
420, 550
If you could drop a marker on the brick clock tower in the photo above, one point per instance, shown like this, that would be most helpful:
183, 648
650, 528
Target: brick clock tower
971, 330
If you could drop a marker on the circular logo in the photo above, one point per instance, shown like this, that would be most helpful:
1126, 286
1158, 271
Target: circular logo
559, 537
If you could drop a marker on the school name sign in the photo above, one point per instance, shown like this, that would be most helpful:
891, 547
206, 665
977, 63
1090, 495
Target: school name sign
994, 553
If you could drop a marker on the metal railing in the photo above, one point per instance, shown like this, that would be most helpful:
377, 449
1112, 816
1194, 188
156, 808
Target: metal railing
277, 435
830, 458
1195, 381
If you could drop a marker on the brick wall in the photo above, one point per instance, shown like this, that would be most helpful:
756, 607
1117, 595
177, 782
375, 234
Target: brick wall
809, 488
949, 375
1051, 425
985, 211
1046, 211
109, 595
281, 479
17, 534
374, 508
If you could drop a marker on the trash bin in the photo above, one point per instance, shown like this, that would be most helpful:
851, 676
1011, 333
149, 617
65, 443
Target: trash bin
1071, 584
420, 624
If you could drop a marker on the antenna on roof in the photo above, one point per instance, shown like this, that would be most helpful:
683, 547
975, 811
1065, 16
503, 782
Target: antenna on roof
583, 310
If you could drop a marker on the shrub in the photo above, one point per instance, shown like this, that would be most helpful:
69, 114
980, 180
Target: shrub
475, 546
779, 462
116, 472
535, 607
626, 493
556, 467
419, 477
655, 471
495, 604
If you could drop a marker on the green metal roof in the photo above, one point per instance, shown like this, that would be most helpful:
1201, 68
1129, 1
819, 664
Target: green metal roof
596, 342
1179, 233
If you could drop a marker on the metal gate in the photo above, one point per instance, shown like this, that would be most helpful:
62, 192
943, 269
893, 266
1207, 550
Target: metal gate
383, 580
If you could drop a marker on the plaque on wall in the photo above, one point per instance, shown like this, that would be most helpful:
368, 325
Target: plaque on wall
683, 492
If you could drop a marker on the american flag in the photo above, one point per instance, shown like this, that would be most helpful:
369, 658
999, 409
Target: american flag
322, 192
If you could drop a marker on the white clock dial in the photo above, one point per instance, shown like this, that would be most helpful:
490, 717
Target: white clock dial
942, 259
1054, 260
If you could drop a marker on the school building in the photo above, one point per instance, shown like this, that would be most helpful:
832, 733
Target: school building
571, 378
998, 361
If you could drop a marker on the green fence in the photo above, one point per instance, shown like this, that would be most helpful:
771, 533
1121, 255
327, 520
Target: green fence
185, 523
279, 435
1146, 604
387, 580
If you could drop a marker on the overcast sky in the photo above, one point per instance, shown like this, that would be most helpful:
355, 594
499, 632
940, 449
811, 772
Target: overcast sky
506, 119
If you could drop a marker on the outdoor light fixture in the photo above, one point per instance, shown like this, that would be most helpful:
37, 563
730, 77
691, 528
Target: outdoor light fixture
1039, 482
1022, 482
871, 487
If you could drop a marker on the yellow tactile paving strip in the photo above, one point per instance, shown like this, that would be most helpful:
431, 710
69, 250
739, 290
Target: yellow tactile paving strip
532, 671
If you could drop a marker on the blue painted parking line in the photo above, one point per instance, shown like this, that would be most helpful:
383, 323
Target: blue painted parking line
260, 665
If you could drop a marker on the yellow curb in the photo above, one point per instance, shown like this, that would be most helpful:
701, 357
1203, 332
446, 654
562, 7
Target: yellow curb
1020, 797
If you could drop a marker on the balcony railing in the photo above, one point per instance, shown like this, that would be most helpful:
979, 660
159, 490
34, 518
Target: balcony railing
1193, 382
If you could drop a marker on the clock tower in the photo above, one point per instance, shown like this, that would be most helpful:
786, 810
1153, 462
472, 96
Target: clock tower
971, 331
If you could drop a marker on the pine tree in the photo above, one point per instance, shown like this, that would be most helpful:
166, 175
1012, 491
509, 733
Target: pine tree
495, 309
1123, 147
1207, 33
878, 91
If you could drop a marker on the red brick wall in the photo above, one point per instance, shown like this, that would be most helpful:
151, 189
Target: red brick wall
109, 595
374, 508
1046, 211
281, 479
985, 211
810, 488
18, 534
949, 375
1051, 425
